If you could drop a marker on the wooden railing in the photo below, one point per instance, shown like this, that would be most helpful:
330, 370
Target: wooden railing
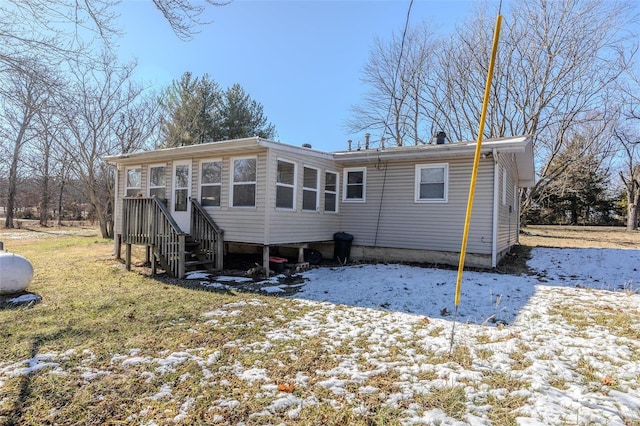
207, 234
146, 221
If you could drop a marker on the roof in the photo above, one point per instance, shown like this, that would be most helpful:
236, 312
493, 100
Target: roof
521, 146
228, 147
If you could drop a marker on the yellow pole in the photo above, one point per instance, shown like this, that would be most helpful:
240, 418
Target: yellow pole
476, 160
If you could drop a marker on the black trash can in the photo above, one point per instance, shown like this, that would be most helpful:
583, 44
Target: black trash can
342, 247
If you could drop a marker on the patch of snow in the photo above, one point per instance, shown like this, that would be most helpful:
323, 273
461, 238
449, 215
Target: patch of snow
272, 289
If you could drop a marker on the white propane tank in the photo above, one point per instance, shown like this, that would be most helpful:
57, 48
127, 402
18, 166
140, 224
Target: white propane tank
16, 273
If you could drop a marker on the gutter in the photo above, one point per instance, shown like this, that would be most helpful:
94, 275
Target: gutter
496, 206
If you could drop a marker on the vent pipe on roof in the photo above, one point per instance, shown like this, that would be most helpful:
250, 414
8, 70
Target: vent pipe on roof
366, 140
349, 144
441, 137
382, 142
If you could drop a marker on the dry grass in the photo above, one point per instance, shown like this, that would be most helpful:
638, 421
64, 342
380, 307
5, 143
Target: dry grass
93, 306
579, 237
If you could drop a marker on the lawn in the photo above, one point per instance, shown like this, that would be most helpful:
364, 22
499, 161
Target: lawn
107, 346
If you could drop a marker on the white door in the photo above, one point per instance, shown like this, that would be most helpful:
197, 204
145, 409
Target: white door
181, 194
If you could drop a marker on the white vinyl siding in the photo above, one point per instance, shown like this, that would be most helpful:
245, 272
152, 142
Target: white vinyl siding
133, 183
296, 226
431, 183
399, 222
355, 184
504, 186
331, 186
285, 185
243, 182
310, 193
158, 181
210, 182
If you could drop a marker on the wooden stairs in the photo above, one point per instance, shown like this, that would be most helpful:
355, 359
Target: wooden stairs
146, 221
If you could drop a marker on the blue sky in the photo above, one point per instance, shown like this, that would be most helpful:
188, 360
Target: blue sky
302, 60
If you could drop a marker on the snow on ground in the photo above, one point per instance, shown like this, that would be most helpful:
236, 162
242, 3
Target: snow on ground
485, 297
393, 322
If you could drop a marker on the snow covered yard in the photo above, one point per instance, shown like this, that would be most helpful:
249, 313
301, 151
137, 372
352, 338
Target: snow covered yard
369, 345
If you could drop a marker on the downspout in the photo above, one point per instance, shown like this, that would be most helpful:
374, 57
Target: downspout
496, 204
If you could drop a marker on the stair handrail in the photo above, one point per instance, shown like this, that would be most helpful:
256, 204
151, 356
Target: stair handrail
207, 233
154, 226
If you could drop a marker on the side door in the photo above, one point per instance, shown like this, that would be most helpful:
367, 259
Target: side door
181, 194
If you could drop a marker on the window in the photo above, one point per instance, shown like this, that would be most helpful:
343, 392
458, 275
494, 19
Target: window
330, 192
431, 182
285, 185
310, 189
355, 186
134, 182
210, 183
243, 182
157, 182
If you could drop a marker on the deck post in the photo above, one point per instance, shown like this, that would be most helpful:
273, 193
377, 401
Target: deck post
154, 264
147, 255
265, 260
118, 247
301, 254
180, 254
127, 256
219, 251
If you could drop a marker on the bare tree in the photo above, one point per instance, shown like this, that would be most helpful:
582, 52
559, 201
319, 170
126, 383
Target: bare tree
629, 172
92, 113
22, 96
397, 74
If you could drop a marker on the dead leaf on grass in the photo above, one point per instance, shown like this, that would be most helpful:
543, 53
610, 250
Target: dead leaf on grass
285, 387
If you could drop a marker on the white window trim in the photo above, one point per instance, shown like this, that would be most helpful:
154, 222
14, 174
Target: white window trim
149, 187
232, 183
286, 185
126, 180
504, 186
332, 192
345, 180
200, 184
416, 191
316, 189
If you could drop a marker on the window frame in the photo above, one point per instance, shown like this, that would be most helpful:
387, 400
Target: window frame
201, 184
233, 183
310, 189
345, 185
418, 182
337, 175
150, 175
126, 182
286, 185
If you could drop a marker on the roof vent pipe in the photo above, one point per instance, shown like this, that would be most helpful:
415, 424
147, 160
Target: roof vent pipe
441, 138
349, 143
366, 140
382, 142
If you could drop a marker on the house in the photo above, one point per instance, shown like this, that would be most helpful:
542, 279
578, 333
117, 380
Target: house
399, 203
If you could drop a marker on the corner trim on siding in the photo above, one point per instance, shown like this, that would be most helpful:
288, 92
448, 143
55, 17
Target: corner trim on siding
496, 184
267, 193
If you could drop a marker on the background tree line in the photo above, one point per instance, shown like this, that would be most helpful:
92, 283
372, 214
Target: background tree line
66, 102
567, 74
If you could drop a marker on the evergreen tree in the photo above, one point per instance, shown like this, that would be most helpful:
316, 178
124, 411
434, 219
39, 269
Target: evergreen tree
191, 106
197, 110
243, 117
